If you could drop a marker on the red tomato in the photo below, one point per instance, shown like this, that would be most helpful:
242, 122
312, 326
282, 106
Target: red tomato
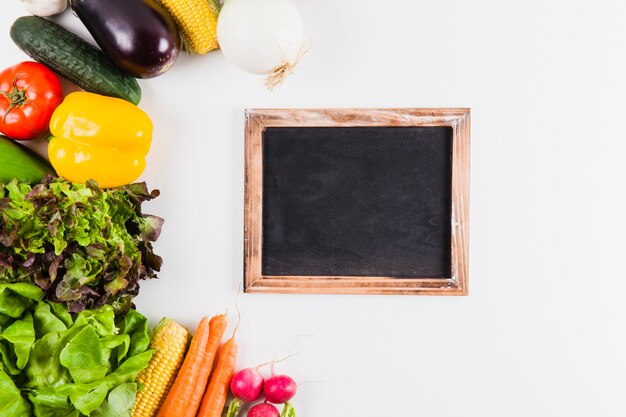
29, 93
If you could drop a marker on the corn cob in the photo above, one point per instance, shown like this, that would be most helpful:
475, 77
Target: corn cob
169, 339
197, 21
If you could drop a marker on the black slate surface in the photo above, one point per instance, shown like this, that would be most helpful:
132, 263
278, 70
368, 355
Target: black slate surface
358, 201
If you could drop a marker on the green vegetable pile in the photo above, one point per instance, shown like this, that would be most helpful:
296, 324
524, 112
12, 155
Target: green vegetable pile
82, 245
56, 363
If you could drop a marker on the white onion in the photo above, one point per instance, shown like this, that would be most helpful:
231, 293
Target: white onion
44, 8
261, 36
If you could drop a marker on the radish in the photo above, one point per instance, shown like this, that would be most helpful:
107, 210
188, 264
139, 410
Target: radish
279, 389
263, 410
247, 384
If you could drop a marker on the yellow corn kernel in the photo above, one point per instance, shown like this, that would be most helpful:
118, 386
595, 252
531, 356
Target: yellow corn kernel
197, 20
170, 340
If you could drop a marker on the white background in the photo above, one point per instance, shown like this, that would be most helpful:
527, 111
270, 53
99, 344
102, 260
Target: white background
542, 332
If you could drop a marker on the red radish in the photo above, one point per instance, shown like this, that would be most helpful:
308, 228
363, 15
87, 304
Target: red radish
263, 410
247, 384
279, 389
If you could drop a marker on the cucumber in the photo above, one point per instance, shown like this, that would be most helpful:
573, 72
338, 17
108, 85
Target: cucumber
73, 58
18, 161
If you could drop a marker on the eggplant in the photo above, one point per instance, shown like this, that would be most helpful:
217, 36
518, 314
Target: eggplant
139, 35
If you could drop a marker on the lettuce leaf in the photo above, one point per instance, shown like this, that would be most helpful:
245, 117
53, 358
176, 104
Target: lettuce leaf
17, 298
52, 403
46, 321
11, 402
135, 325
44, 367
119, 402
82, 356
21, 334
7, 359
102, 320
58, 363
82, 245
128, 370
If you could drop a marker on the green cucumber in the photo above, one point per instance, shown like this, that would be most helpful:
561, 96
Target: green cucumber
73, 58
18, 161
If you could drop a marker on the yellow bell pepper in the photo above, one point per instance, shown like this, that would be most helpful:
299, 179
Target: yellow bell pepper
101, 138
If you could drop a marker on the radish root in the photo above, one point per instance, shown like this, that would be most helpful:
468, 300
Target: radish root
237, 310
274, 361
315, 381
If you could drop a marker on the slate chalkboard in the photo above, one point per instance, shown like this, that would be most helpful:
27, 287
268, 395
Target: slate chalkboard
357, 201
366, 201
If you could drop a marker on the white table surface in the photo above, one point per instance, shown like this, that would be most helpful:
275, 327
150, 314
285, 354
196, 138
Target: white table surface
542, 332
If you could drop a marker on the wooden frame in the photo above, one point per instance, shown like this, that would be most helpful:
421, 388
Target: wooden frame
258, 120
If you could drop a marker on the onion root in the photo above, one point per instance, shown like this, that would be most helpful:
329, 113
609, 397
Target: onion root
276, 77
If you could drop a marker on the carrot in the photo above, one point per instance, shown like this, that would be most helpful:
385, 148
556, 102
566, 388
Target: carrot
217, 327
177, 401
217, 391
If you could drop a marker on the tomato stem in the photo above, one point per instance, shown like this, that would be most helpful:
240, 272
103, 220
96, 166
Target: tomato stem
16, 98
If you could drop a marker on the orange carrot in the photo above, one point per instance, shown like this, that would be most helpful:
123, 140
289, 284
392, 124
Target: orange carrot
217, 327
217, 391
177, 401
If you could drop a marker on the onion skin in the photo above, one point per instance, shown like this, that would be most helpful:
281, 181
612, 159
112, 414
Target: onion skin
259, 36
44, 8
138, 35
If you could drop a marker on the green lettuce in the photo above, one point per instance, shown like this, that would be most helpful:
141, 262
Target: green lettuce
12, 404
119, 402
82, 245
56, 363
